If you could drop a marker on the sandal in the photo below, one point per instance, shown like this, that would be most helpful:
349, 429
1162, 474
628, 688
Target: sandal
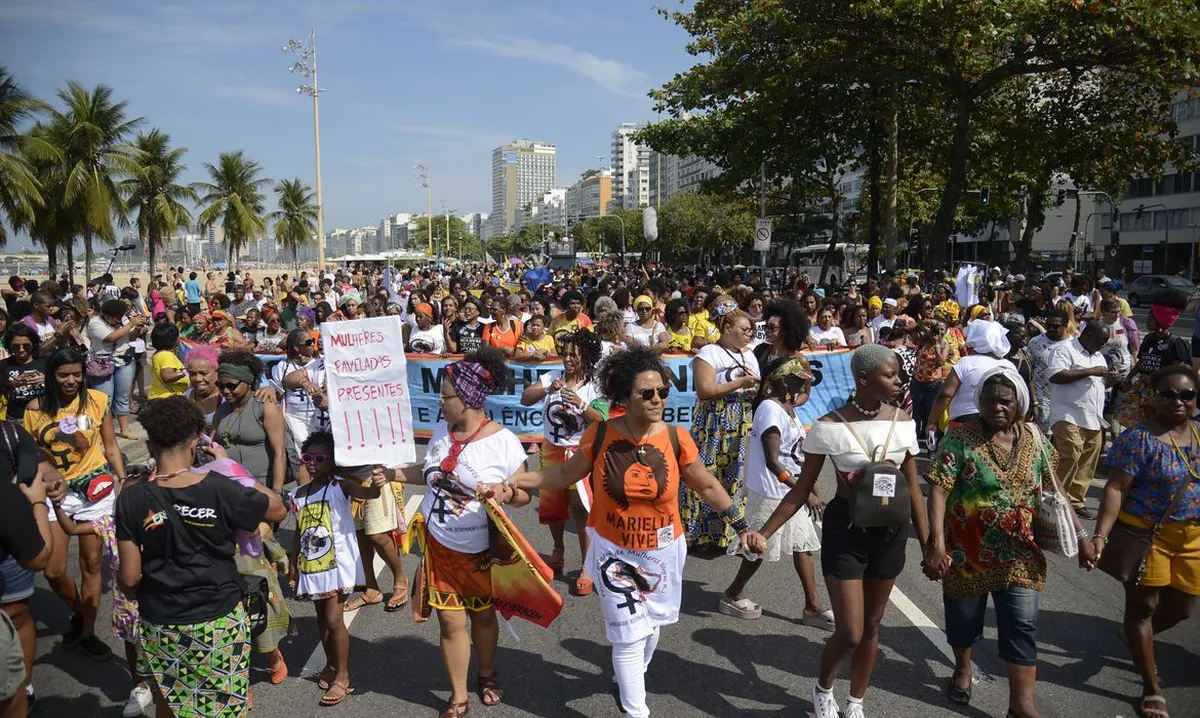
1154, 706
490, 690
822, 619
455, 710
584, 585
556, 560
398, 600
741, 608
359, 601
325, 677
961, 696
279, 673
331, 698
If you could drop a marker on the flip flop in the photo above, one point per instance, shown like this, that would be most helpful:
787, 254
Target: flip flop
490, 690
584, 585
822, 620
455, 710
325, 677
1154, 706
556, 560
331, 699
392, 604
741, 608
359, 601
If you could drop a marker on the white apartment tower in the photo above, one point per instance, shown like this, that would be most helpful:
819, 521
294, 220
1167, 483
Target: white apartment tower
631, 169
522, 171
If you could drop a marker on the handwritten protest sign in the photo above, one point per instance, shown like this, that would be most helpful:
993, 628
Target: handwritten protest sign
369, 402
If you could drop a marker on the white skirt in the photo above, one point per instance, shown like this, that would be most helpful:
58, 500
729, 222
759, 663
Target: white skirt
638, 590
798, 535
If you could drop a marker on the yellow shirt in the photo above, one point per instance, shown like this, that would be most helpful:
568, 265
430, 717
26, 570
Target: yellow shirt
160, 389
525, 345
72, 438
681, 342
700, 326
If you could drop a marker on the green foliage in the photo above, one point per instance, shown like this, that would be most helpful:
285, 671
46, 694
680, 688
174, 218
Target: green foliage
462, 242
20, 190
154, 193
296, 218
234, 197
522, 243
691, 223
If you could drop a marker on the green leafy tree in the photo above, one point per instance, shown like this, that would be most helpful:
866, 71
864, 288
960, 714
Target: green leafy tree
20, 190
92, 133
296, 218
234, 197
691, 224
461, 241
154, 192
54, 223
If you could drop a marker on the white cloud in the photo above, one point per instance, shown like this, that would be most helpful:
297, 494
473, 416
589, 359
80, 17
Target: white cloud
612, 75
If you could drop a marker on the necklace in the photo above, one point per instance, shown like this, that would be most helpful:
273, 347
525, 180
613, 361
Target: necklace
1184, 457
173, 474
1012, 452
865, 412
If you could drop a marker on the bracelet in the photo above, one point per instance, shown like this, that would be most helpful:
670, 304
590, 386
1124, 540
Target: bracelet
1081, 534
784, 477
1102, 537
739, 526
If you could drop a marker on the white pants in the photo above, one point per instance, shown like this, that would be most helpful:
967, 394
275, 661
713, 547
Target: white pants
630, 661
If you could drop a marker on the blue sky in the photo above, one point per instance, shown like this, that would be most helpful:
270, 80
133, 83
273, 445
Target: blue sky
440, 82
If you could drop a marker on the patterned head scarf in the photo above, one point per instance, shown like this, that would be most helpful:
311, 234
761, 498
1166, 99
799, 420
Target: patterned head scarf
787, 379
947, 311
1164, 316
722, 308
472, 381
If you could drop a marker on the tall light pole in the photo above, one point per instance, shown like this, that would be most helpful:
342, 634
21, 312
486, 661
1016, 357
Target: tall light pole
447, 210
306, 65
427, 183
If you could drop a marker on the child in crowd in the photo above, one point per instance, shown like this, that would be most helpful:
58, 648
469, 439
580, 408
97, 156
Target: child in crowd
535, 344
326, 563
167, 375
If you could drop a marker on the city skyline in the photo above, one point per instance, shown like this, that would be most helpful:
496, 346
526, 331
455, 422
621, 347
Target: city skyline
407, 83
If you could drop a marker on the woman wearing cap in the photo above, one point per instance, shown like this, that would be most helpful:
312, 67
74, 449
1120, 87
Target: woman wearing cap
726, 376
1159, 349
464, 454
989, 343
426, 337
646, 331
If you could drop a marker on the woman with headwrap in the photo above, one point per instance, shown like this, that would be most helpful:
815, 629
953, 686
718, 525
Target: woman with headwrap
726, 377
223, 330
985, 482
251, 430
1159, 349
426, 337
465, 453
774, 458
988, 342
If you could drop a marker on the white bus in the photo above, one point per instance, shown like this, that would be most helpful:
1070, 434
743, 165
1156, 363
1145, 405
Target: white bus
849, 260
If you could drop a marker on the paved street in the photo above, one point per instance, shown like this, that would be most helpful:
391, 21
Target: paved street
706, 665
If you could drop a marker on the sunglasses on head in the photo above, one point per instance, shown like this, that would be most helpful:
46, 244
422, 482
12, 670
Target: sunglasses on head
228, 385
307, 458
1171, 395
648, 394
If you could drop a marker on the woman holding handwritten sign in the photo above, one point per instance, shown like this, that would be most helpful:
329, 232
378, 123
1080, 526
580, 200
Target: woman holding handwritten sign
637, 545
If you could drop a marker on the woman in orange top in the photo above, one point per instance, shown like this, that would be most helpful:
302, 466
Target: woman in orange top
637, 545
504, 332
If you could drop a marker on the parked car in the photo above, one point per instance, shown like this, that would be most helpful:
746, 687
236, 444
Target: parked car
1153, 287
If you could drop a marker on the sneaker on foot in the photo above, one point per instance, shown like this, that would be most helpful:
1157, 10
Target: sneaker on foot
30, 698
74, 634
95, 649
140, 699
854, 710
824, 704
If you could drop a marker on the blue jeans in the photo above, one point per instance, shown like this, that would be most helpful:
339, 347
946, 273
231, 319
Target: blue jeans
116, 386
923, 396
1016, 622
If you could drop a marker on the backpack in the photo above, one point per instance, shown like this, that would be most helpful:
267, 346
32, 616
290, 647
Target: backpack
880, 495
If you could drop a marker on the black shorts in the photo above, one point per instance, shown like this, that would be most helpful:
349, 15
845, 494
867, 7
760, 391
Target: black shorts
851, 554
1196, 347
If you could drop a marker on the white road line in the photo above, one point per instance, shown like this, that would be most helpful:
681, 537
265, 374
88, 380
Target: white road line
930, 630
317, 660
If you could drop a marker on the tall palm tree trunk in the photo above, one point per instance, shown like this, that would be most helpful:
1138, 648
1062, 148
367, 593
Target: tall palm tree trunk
152, 252
52, 259
71, 260
88, 259
296, 260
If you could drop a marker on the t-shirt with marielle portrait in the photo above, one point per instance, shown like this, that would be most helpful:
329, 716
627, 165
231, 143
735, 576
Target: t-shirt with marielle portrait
635, 501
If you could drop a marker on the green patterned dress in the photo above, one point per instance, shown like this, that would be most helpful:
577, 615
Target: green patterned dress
990, 510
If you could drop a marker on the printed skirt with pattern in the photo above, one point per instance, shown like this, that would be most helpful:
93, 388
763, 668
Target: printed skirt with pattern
721, 428
203, 669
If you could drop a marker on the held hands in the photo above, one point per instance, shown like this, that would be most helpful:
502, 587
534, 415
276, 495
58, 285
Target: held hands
379, 479
502, 493
936, 563
35, 491
1089, 552
753, 542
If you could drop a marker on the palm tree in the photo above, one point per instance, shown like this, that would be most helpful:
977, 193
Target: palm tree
234, 196
296, 218
154, 192
54, 224
20, 191
93, 130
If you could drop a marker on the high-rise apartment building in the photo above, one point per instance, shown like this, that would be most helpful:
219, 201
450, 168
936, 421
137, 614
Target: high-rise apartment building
591, 196
669, 175
522, 171
631, 169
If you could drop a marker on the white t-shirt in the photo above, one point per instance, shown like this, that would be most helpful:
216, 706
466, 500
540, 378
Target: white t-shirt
827, 337
1082, 301
643, 336
880, 322
428, 341
562, 423
97, 330
297, 402
1081, 402
728, 365
759, 479
833, 439
452, 513
970, 370
270, 342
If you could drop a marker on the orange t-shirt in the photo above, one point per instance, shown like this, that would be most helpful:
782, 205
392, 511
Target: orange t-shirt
634, 504
503, 340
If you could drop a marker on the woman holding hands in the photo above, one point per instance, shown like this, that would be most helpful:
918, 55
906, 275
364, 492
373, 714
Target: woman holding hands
637, 548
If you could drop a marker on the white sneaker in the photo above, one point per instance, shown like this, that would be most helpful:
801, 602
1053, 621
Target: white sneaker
854, 710
140, 699
824, 704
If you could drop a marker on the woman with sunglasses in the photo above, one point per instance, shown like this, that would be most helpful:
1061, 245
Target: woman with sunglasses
726, 375
23, 373
466, 453
638, 465
1154, 476
251, 430
72, 424
646, 330
300, 380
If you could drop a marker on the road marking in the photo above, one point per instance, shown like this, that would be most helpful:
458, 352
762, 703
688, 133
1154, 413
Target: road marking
317, 660
931, 631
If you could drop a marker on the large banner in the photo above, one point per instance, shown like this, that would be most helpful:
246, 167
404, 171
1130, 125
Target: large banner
832, 384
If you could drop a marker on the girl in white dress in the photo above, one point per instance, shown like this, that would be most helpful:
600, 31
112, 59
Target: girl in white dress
326, 564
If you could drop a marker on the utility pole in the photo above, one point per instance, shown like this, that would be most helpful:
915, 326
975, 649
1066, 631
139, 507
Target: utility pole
423, 175
307, 66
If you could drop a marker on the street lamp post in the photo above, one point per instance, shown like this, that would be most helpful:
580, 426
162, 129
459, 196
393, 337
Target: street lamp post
446, 210
423, 175
620, 219
306, 65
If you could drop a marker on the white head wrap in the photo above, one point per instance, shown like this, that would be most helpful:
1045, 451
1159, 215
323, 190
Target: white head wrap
1008, 371
987, 337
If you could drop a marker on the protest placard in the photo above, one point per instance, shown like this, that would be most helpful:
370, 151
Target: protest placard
369, 398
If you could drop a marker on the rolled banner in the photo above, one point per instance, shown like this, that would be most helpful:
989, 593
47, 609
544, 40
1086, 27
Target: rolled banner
520, 578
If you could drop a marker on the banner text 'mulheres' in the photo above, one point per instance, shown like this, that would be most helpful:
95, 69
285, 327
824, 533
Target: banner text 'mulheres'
355, 339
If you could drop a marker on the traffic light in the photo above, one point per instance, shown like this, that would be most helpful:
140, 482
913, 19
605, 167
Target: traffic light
983, 196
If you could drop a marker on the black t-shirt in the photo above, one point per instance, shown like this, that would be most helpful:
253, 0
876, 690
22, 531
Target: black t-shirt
469, 338
19, 535
1158, 351
19, 454
20, 396
188, 577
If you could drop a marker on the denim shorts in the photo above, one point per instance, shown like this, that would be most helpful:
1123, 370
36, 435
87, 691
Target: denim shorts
18, 581
1016, 621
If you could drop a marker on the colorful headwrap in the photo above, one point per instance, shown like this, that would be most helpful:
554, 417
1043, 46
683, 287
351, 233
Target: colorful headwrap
947, 311
722, 308
236, 371
307, 313
472, 381
222, 314
269, 311
789, 378
350, 294
424, 308
643, 300
819, 291
977, 310
875, 303
1164, 316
